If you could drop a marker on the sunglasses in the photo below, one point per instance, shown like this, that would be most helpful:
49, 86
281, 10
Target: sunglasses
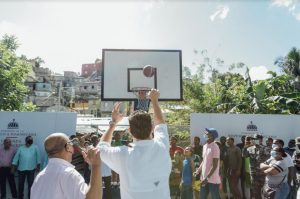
69, 142
76, 143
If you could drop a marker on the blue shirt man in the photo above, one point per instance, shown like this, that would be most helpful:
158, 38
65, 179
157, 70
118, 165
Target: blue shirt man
27, 160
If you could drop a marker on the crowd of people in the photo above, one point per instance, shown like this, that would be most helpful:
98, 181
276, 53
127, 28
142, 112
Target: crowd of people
152, 165
251, 169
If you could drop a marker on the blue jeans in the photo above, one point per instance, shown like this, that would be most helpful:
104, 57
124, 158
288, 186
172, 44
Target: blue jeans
283, 191
213, 189
186, 192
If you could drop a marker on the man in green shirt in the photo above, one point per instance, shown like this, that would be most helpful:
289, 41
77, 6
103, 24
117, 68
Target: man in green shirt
27, 161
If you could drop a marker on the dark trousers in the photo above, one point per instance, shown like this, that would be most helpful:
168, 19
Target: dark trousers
213, 189
233, 183
5, 174
107, 187
30, 177
257, 183
186, 192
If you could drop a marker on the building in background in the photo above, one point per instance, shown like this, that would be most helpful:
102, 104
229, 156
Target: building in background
92, 69
74, 92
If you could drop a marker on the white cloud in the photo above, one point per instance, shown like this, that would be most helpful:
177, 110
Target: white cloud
292, 8
291, 5
297, 16
221, 13
259, 73
283, 3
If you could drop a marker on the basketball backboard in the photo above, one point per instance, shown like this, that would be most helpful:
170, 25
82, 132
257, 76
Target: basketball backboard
122, 73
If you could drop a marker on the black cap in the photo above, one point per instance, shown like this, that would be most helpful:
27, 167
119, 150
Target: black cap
257, 136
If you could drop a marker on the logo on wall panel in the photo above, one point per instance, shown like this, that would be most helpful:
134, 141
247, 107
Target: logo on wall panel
251, 127
13, 125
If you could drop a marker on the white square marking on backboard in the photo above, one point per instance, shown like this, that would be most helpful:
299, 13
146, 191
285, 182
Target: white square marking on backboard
138, 79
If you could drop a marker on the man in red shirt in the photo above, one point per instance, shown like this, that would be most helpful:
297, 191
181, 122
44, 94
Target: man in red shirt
174, 147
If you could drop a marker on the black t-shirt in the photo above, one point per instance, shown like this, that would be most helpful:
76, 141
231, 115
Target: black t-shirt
240, 145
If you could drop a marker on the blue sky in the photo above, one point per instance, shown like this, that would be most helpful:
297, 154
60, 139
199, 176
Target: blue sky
69, 33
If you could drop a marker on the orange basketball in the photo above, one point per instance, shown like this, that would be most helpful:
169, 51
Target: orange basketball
148, 71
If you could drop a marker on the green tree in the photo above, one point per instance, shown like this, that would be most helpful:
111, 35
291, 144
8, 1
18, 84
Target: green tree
290, 64
186, 72
280, 96
38, 62
232, 93
10, 42
13, 72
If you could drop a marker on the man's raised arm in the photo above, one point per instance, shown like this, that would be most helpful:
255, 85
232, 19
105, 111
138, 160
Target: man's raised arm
158, 117
93, 159
116, 117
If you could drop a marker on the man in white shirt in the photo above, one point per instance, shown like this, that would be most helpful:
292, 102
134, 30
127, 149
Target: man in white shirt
60, 179
144, 166
289, 163
288, 159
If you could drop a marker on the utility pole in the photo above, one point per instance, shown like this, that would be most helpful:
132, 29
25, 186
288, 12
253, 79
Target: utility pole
59, 96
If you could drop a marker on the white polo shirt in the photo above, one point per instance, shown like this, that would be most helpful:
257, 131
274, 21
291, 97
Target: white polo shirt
105, 170
144, 168
287, 160
59, 180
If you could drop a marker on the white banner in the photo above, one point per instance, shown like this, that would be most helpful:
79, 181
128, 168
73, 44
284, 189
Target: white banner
284, 127
102, 123
18, 125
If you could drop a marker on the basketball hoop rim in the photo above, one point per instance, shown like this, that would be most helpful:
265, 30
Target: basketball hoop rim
135, 90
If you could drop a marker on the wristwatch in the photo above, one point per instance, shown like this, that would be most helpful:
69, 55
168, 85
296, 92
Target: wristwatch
112, 123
